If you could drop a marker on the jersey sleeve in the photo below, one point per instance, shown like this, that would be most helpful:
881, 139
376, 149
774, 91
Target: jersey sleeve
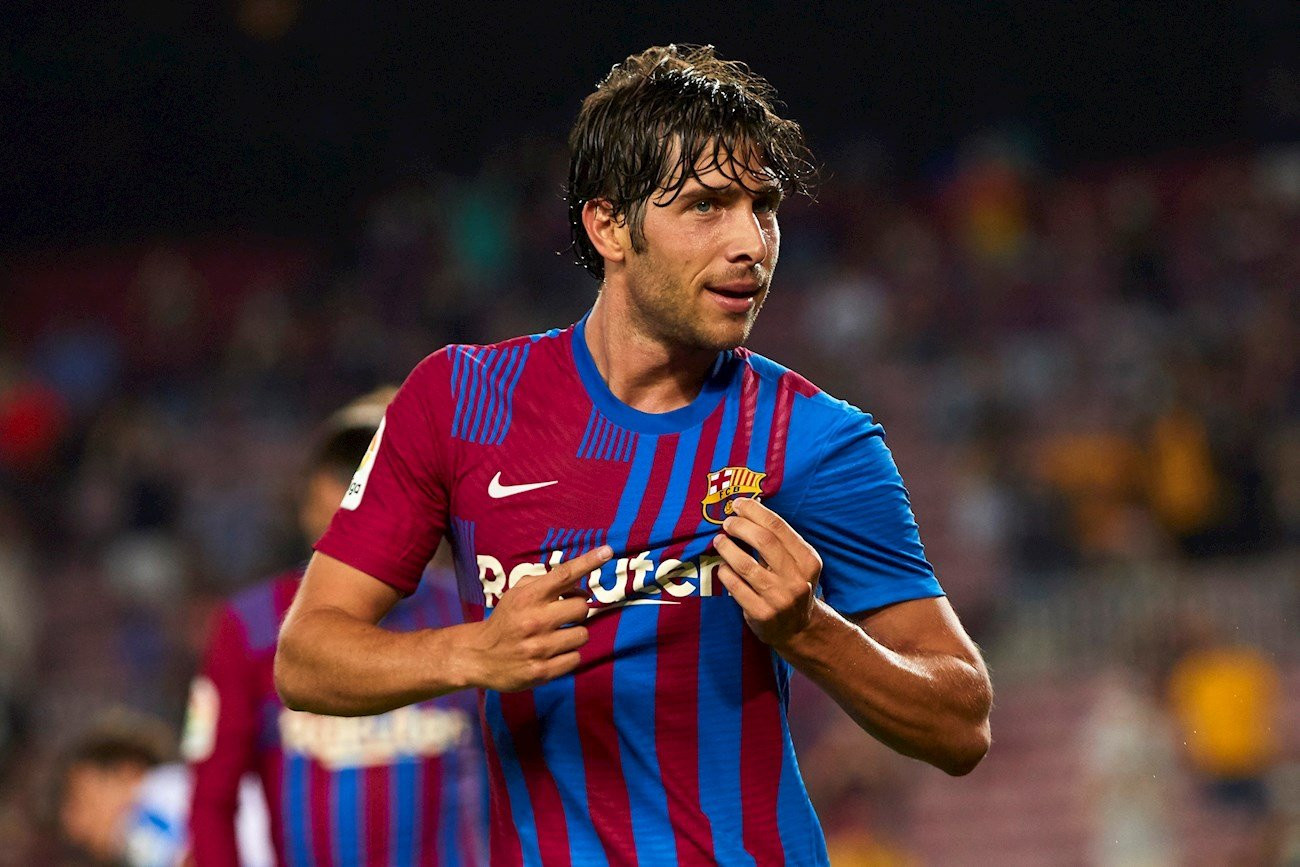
395, 511
220, 740
857, 515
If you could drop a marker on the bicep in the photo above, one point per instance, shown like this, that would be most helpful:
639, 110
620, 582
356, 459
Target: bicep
921, 626
333, 585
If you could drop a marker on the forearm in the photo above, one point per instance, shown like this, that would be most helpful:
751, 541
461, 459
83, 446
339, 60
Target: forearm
330, 662
932, 707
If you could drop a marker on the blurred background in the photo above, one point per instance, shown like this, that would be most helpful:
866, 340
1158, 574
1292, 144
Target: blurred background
1056, 254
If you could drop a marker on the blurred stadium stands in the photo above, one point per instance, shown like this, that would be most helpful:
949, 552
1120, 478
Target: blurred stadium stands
1089, 377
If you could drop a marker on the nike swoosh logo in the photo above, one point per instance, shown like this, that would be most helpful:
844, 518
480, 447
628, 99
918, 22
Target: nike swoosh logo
496, 490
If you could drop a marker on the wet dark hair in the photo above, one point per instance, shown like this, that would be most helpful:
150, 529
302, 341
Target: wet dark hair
663, 117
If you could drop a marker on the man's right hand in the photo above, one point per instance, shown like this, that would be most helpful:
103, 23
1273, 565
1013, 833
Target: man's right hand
535, 630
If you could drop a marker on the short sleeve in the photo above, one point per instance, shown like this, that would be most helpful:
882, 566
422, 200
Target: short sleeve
856, 513
395, 511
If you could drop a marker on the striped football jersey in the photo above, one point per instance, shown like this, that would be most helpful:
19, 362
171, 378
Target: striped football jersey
669, 744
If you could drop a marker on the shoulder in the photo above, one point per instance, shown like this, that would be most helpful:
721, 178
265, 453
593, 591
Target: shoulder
814, 438
803, 396
482, 382
496, 357
463, 369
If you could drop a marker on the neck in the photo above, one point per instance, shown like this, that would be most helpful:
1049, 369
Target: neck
642, 369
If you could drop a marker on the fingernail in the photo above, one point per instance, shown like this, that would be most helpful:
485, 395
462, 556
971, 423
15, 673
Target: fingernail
604, 552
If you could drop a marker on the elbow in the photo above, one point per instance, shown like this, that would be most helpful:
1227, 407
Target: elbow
972, 735
285, 685
290, 683
965, 754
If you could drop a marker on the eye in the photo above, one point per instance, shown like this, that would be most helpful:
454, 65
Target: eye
766, 205
703, 206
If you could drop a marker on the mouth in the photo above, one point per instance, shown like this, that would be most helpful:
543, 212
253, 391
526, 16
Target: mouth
739, 296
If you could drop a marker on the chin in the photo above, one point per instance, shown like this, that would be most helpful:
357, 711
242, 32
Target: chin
725, 337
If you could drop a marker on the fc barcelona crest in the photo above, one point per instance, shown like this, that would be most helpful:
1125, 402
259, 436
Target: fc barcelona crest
727, 485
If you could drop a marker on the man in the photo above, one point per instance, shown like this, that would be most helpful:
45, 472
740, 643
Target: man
120, 802
404, 788
601, 486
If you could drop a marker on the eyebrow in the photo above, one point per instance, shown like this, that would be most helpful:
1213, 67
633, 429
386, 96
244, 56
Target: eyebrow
699, 190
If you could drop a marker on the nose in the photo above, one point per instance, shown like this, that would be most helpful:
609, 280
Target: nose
748, 244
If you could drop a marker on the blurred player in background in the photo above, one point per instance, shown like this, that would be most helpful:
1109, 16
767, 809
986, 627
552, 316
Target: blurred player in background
405, 788
120, 802
601, 487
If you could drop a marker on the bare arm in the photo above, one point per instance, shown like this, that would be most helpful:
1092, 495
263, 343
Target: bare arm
332, 658
908, 673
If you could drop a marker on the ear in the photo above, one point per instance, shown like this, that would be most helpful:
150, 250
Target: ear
609, 236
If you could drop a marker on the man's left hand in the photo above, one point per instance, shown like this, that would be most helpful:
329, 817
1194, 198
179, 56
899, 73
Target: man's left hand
775, 590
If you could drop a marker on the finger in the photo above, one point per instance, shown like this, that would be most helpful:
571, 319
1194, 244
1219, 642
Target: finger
562, 612
565, 663
750, 508
564, 640
750, 601
765, 543
744, 565
563, 579
794, 544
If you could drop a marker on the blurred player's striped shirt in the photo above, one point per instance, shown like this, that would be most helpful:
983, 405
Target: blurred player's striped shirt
404, 788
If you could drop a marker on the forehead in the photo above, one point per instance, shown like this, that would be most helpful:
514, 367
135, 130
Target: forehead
717, 166
83, 778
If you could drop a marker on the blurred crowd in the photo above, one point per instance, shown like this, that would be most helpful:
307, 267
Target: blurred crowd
1072, 369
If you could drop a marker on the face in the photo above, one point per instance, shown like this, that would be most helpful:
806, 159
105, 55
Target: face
95, 805
321, 499
706, 265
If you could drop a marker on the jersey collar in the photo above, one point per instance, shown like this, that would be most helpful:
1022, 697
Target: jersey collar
720, 378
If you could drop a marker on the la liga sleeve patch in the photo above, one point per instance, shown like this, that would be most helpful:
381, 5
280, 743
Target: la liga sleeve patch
357, 489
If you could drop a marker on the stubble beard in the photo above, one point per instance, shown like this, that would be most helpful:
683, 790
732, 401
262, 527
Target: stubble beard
665, 309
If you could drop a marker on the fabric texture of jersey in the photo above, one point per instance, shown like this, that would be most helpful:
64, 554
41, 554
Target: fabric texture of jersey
669, 744
403, 788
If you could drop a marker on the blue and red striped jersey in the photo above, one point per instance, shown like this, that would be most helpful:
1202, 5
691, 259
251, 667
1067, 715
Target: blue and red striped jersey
669, 744
403, 788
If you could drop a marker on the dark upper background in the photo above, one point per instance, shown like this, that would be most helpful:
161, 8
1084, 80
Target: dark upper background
163, 118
